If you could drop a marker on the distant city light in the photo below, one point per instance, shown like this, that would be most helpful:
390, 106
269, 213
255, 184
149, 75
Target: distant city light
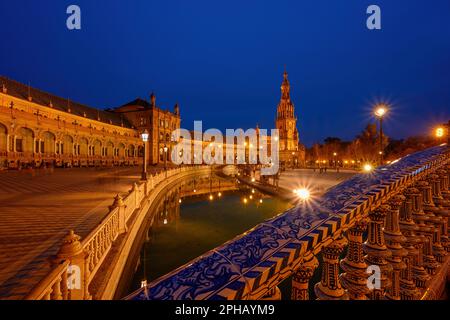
260, 201
245, 200
219, 194
439, 132
211, 197
253, 179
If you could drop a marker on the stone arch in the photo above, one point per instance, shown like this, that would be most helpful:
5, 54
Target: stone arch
3, 138
83, 146
109, 149
67, 144
97, 145
25, 140
121, 150
48, 142
131, 149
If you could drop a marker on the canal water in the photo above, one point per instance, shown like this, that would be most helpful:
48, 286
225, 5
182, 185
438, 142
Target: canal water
196, 224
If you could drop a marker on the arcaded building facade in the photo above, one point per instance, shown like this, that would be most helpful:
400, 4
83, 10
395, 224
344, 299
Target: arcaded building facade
38, 128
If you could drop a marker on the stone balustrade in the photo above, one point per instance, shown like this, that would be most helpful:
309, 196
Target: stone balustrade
403, 208
78, 262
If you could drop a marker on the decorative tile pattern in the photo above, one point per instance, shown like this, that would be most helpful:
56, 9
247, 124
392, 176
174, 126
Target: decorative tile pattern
266, 253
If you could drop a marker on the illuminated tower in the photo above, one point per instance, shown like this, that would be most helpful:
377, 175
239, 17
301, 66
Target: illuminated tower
286, 123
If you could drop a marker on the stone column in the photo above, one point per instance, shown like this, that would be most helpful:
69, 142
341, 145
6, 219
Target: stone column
300, 279
329, 288
354, 278
415, 274
425, 230
77, 272
377, 252
394, 240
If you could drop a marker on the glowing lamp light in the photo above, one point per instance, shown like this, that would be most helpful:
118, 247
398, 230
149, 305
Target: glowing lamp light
211, 197
253, 179
144, 135
380, 111
195, 190
143, 283
245, 200
219, 194
251, 197
260, 201
165, 221
367, 167
439, 132
302, 193
179, 200
253, 190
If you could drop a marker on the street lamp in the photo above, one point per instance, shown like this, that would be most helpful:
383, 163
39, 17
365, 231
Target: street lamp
144, 136
165, 157
380, 111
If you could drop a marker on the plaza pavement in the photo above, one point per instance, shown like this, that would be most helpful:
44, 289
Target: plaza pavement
38, 208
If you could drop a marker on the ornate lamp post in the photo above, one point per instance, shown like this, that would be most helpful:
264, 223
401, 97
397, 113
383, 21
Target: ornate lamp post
144, 136
165, 157
380, 111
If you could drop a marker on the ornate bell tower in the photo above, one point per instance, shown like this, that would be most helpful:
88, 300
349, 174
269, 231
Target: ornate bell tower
286, 123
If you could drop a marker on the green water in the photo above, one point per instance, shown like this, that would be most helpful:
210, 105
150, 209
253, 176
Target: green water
201, 226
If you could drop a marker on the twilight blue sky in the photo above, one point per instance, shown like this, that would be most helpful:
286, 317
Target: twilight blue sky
223, 60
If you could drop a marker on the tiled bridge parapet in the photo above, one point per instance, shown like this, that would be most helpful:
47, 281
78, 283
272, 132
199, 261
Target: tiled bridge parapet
254, 263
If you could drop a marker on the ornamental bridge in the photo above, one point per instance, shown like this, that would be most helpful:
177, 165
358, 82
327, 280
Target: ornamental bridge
394, 220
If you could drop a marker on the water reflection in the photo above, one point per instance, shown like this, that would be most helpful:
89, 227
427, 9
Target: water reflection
198, 216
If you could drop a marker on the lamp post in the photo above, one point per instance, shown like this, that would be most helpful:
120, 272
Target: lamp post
334, 160
144, 136
165, 157
380, 111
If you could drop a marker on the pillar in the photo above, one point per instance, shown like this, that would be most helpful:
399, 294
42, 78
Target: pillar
77, 272
354, 278
394, 240
441, 197
330, 288
377, 252
300, 279
414, 276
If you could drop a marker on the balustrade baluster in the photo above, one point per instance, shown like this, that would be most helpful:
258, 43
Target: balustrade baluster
354, 278
377, 252
330, 288
441, 197
425, 229
64, 288
415, 274
56, 290
300, 279
394, 240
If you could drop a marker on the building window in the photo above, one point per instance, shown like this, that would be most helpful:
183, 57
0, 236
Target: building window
42, 147
36, 147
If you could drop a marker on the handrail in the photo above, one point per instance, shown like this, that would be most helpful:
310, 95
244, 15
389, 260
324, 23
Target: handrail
97, 244
250, 265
